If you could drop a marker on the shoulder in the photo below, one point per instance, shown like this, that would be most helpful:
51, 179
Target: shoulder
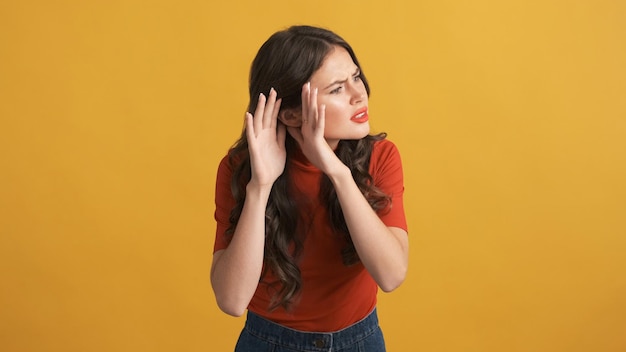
225, 166
231, 160
386, 170
384, 149
384, 145
385, 159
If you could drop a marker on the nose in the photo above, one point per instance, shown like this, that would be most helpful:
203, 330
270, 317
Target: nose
357, 93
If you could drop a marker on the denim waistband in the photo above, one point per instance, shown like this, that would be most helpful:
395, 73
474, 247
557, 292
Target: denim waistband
311, 341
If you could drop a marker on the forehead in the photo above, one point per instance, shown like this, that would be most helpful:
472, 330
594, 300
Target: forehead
337, 65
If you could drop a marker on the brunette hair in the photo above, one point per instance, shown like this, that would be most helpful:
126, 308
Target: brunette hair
286, 61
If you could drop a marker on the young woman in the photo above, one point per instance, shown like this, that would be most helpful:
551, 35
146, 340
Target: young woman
310, 219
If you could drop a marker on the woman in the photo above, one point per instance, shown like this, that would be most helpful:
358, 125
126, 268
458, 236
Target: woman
310, 219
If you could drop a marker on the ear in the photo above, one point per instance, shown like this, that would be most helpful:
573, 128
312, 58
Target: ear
291, 117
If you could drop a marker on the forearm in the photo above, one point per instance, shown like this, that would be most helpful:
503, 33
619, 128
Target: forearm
382, 250
236, 270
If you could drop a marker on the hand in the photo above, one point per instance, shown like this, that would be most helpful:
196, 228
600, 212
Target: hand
310, 136
266, 141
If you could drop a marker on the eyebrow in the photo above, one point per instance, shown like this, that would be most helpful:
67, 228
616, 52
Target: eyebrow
356, 73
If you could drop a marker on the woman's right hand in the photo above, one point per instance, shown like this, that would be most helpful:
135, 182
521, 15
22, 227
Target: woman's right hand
266, 141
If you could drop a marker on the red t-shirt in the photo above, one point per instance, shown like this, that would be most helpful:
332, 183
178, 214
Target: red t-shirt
333, 295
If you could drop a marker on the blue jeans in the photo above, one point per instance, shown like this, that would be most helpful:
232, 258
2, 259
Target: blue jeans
261, 335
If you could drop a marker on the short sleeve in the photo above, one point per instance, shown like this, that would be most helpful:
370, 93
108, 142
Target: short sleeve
386, 171
224, 203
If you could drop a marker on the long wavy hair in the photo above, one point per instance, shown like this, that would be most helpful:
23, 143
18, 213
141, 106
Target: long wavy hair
286, 61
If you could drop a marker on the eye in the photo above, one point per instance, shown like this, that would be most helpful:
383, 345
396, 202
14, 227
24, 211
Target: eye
357, 77
336, 90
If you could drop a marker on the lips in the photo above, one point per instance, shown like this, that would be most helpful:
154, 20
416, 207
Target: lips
361, 116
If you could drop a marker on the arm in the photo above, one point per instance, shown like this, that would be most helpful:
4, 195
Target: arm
236, 270
383, 250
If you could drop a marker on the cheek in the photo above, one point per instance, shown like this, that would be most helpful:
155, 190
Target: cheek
332, 110
331, 116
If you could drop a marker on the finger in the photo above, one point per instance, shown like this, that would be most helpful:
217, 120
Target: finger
250, 128
321, 120
258, 113
306, 93
280, 135
269, 109
275, 114
310, 115
313, 107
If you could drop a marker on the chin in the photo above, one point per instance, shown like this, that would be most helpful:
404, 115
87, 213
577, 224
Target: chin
364, 133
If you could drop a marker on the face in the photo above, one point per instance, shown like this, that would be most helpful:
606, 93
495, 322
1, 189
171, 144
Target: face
341, 89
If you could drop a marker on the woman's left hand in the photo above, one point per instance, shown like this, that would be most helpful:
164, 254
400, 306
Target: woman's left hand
310, 135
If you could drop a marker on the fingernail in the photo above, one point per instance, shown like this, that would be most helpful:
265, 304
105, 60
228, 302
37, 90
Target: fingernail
261, 95
272, 90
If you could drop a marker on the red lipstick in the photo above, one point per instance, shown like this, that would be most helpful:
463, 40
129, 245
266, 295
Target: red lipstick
361, 116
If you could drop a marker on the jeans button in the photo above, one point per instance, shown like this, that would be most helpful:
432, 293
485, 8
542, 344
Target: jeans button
319, 343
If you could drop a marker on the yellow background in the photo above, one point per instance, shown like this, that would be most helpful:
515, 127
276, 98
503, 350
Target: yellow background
510, 116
